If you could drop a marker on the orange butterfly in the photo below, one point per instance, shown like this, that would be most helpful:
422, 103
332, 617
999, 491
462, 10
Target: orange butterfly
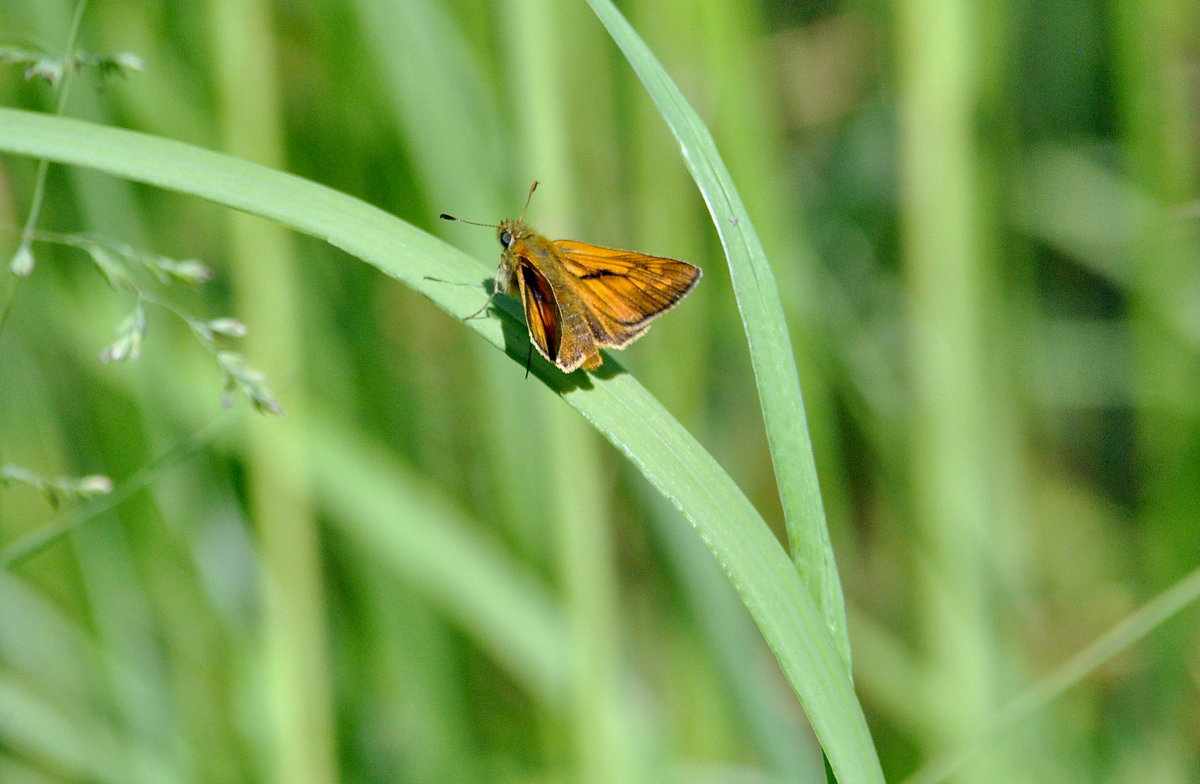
579, 297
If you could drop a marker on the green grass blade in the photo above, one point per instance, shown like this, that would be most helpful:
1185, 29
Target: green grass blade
611, 400
766, 329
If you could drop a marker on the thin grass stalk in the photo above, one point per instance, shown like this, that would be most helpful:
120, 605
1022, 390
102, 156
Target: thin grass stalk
946, 269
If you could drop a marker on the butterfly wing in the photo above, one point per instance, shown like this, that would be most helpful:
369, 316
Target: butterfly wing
624, 290
565, 342
541, 310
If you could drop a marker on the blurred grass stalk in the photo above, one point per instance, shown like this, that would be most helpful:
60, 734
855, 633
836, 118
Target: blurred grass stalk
959, 420
296, 670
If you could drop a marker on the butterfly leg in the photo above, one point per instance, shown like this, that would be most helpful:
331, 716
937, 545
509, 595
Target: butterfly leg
486, 305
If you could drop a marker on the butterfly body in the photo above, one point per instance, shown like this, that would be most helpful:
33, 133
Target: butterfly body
579, 297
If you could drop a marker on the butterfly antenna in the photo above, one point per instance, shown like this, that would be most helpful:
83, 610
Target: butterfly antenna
529, 359
532, 188
449, 217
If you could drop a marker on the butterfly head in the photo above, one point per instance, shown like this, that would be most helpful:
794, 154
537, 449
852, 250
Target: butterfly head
516, 239
512, 235
512, 232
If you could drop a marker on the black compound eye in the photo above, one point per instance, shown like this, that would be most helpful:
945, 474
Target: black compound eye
506, 238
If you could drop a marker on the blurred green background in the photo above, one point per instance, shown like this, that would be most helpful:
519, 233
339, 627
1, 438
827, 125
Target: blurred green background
983, 220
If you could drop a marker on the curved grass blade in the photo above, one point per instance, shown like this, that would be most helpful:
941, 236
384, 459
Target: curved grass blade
766, 329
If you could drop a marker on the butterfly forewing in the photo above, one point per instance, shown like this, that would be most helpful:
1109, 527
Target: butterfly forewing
541, 310
561, 338
624, 290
